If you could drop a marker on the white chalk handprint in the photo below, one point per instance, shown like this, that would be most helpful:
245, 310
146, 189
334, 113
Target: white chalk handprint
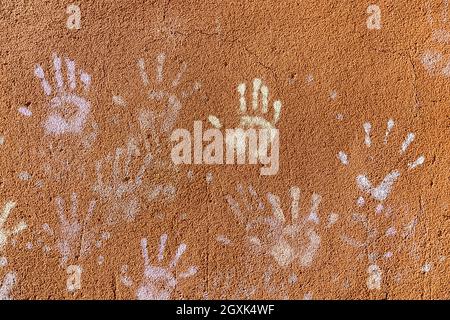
72, 228
254, 117
158, 282
285, 239
120, 188
379, 192
69, 108
156, 122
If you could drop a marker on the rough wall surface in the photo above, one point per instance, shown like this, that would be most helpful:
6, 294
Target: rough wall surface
93, 206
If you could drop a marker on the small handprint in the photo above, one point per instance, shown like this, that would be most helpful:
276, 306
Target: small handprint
4, 232
69, 109
285, 240
6, 286
254, 117
158, 282
381, 191
120, 190
434, 60
158, 123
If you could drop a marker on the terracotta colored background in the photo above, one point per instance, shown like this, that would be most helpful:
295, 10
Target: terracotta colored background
331, 73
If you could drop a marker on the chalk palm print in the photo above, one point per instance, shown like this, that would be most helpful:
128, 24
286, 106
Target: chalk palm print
254, 116
381, 223
74, 236
158, 281
117, 184
434, 59
165, 100
381, 190
69, 106
287, 239
165, 96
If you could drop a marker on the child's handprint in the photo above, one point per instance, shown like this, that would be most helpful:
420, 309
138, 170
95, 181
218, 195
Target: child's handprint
74, 237
158, 282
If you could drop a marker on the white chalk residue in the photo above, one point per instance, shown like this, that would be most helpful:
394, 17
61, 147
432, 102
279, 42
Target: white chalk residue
71, 226
24, 176
74, 238
418, 162
6, 286
119, 101
4, 232
375, 277
381, 191
343, 157
409, 138
389, 127
223, 239
367, 128
155, 124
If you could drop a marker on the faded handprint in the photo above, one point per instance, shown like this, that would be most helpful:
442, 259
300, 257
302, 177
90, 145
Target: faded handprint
120, 190
231, 284
367, 228
398, 239
435, 61
254, 117
74, 236
72, 228
5, 233
6, 286
383, 189
286, 240
158, 282
157, 123
69, 109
